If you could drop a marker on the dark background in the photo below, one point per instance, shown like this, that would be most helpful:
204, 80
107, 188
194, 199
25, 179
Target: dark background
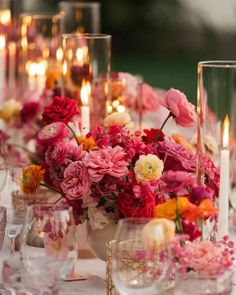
161, 40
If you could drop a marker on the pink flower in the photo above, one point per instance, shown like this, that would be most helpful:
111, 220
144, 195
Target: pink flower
176, 182
205, 257
200, 193
176, 157
182, 110
58, 154
76, 181
52, 133
108, 160
29, 111
150, 100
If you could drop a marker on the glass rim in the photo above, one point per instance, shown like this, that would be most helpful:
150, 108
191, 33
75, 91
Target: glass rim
87, 36
139, 220
218, 63
79, 4
38, 15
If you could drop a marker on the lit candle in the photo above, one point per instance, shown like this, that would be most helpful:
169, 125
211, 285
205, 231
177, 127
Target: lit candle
37, 75
223, 217
2, 61
5, 17
32, 71
85, 109
12, 68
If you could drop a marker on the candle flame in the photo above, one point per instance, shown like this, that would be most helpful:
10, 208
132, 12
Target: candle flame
5, 16
226, 125
85, 92
37, 69
81, 54
2, 42
59, 54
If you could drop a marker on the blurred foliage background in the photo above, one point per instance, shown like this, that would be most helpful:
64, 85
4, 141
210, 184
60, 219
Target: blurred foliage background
162, 40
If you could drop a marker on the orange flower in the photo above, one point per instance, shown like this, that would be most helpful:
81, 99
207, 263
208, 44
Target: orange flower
88, 143
52, 79
32, 176
169, 208
204, 210
177, 138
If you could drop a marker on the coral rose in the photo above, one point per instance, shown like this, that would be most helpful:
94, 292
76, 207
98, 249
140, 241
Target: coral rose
182, 110
76, 181
148, 168
52, 133
106, 161
61, 110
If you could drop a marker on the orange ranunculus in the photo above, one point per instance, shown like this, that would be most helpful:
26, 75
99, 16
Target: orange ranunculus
204, 210
177, 138
88, 143
31, 178
169, 208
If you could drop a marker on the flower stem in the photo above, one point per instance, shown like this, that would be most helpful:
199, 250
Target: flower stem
50, 187
72, 131
164, 123
178, 219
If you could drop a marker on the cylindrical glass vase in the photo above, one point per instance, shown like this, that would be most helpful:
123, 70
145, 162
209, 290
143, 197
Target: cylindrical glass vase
87, 60
39, 44
80, 17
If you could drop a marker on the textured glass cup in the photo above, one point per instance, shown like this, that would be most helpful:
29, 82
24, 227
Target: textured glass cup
137, 269
86, 60
80, 17
40, 41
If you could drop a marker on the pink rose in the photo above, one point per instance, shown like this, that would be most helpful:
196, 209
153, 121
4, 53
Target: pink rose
205, 257
150, 100
107, 160
52, 133
182, 110
76, 181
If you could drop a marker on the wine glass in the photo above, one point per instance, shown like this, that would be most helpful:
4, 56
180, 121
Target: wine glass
136, 268
53, 230
13, 200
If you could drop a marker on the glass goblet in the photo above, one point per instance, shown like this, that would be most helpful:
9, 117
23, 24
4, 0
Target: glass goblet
136, 268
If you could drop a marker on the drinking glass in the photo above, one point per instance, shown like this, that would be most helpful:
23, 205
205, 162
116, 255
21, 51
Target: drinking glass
13, 200
3, 220
136, 268
80, 17
53, 230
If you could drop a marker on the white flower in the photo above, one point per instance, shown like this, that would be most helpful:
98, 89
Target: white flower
210, 145
117, 118
89, 201
148, 168
98, 219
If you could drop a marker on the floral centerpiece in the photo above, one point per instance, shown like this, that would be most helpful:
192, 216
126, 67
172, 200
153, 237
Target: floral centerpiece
113, 172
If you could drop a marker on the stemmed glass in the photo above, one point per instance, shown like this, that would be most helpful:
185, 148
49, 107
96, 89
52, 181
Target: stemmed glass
13, 200
53, 230
136, 268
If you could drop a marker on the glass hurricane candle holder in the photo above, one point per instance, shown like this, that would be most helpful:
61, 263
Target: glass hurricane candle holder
217, 129
40, 46
86, 60
80, 17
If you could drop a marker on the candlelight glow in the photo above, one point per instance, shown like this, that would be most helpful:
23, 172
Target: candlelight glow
12, 47
81, 54
121, 109
5, 16
226, 125
36, 69
59, 54
2, 42
85, 93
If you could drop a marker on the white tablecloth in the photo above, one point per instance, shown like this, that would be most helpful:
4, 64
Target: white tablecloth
94, 268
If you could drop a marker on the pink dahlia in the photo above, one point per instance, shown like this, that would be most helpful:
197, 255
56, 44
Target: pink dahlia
108, 160
182, 110
52, 133
76, 181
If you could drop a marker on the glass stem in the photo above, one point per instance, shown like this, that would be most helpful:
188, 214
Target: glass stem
13, 245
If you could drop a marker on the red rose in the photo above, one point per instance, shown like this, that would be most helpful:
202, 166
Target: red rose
129, 206
153, 135
61, 110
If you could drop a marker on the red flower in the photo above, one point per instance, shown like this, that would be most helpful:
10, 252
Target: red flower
129, 206
61, 110
153, 135
29, 111
191, 230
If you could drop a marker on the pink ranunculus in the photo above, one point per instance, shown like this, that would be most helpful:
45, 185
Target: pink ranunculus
176, 182
76, 181
52, 133
57, 154
205, 257
150, 100
106, 161
182, 110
